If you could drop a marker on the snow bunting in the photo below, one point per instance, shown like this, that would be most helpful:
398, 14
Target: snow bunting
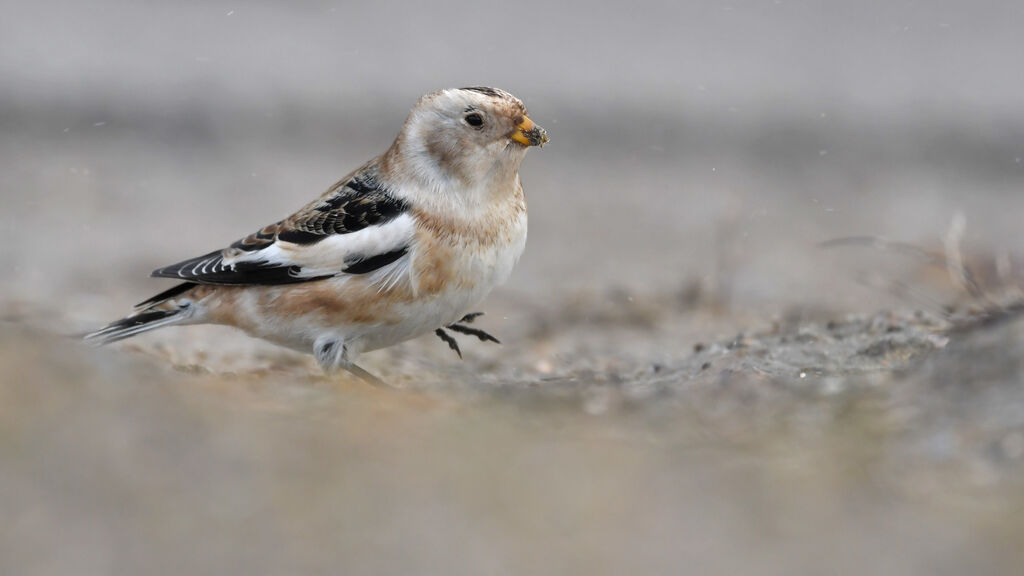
407, 244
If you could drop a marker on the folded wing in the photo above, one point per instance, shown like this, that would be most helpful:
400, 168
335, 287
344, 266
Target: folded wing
356, 227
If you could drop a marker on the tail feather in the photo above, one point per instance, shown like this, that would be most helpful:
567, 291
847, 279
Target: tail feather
137, 324
166, 295
164, 309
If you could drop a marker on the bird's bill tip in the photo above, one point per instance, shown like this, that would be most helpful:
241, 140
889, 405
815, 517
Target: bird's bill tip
529, 134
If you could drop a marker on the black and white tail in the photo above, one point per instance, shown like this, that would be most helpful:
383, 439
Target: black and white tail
164, 309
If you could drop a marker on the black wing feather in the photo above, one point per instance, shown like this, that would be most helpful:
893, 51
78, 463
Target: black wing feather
211, 269
353, 204
166, 295
367, 265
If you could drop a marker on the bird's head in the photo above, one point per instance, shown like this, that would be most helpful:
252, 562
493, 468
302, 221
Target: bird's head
470, 138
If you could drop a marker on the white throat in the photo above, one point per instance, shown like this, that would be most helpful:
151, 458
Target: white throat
469, 180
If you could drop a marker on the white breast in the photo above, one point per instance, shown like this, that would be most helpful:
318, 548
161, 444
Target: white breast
487, 265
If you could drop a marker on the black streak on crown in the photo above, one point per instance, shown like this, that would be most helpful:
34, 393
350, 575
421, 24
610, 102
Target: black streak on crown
484, 90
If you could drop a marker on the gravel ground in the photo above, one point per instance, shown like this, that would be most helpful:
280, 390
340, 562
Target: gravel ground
890, 443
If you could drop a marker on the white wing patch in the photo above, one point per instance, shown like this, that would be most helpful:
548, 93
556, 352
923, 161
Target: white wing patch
332, 254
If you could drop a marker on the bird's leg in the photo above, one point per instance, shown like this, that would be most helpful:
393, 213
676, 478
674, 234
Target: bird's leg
331, 354
483, 336
363, 374
444, 336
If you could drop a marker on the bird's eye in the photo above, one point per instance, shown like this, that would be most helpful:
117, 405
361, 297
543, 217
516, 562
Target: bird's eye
475, 120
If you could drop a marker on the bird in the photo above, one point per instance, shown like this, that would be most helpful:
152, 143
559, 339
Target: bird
405, 245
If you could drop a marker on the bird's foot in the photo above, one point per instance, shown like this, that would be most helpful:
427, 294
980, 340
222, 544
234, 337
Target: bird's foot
468, 318
483, 336
331, 354
447, 339
461, 328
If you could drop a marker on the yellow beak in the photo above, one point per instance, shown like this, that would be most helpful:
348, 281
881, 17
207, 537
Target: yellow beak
529, 134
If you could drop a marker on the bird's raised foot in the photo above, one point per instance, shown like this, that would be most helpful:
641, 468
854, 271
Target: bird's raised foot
461, 328
468, 318
447, 339
483, 336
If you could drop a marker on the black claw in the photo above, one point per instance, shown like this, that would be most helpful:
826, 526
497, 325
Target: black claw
468, 318
448, 340
483, 336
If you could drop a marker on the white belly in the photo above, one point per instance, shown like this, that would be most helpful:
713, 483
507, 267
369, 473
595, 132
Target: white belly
480, 268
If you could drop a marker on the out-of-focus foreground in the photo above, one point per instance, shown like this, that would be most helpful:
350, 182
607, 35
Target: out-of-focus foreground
689, 380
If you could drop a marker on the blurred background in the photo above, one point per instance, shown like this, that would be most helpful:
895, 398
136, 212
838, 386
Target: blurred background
689, 381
